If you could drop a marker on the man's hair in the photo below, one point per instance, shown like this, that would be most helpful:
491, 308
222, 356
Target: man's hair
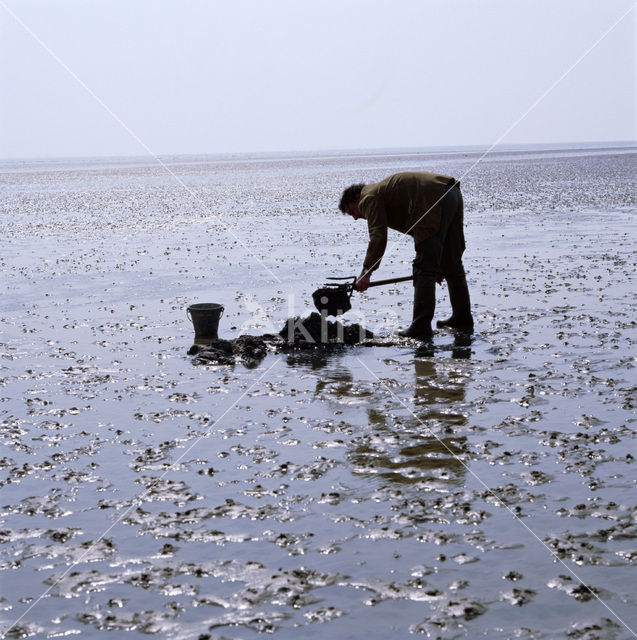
350, 196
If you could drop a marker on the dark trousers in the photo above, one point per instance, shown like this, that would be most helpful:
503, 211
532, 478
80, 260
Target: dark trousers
442, 252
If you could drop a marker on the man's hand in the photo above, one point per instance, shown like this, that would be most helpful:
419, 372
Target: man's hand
363, 281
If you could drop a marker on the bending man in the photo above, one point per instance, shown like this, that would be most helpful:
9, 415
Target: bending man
429, 208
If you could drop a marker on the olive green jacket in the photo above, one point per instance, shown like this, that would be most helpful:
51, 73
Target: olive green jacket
409, 202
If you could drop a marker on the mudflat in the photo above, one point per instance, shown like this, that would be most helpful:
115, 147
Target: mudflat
482, 488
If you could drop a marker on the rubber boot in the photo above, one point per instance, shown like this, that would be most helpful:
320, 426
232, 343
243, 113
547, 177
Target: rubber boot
424, 305
461, 317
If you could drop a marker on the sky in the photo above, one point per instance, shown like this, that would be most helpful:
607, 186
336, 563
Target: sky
157, 77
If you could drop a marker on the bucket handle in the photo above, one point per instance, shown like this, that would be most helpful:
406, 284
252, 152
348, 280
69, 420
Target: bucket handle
190, 317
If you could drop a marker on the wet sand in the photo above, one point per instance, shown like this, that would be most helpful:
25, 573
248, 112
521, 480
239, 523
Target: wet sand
479, 490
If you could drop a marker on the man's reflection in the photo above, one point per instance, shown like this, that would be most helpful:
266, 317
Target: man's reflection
414, 431
422, 444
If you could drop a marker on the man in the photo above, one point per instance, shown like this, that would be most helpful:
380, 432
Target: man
429, 208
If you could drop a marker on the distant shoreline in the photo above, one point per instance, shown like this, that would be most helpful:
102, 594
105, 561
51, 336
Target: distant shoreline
87, 162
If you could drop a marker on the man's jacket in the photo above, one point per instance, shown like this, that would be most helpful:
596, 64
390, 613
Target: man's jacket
409, 202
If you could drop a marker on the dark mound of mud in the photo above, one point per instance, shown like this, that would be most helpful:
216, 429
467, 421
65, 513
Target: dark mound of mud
250, 350
316, 331
313, 332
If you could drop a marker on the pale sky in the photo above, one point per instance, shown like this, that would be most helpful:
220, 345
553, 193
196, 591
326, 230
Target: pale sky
205, 76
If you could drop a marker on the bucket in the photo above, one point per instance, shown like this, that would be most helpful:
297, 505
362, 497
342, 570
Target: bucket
205, 318
333, 301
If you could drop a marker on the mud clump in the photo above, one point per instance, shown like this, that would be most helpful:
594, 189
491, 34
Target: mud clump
215, 352
313, 332
316, 331
250, 350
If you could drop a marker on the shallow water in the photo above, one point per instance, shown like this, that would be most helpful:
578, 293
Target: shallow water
482, 490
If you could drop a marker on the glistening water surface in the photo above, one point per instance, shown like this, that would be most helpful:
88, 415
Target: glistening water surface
482, 490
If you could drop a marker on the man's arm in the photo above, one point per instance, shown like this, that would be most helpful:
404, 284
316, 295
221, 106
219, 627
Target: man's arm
376, 216
376, 247
362, 283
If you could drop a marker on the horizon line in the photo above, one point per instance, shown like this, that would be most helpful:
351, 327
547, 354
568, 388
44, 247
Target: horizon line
367, 151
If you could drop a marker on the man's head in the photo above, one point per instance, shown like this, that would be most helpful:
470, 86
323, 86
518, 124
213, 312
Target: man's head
349, 201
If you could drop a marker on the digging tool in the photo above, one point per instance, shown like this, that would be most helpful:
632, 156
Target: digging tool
333, 299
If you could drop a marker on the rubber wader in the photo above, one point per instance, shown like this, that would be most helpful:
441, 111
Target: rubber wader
461, 317
424, 306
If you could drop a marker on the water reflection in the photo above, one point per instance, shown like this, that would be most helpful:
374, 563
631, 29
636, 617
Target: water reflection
313, 359
434, 459
437, 386
406, 430
418, 445
339, 380
460, 348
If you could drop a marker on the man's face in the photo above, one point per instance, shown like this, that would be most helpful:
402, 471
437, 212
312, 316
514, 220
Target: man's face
353, 210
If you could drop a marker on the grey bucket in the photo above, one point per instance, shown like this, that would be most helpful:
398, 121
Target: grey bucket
205, 318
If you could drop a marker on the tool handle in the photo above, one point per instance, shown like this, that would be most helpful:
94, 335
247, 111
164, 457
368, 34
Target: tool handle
378, 283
